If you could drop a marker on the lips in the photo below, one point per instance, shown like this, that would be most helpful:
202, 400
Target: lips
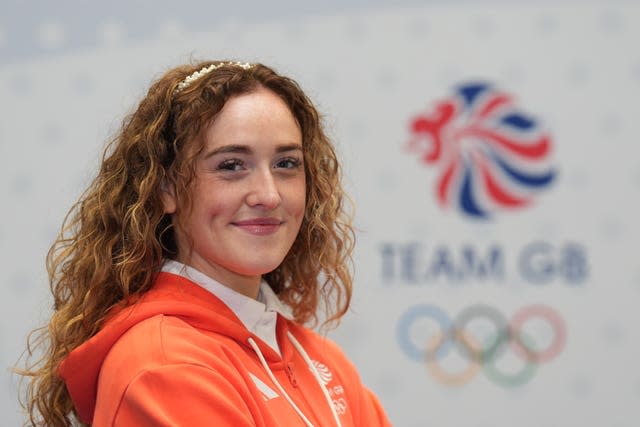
259, 226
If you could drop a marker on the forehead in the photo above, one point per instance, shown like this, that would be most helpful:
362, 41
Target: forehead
257, 117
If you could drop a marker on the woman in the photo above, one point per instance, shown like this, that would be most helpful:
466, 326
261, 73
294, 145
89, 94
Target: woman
182, 278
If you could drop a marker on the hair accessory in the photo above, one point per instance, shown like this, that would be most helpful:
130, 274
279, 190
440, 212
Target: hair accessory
206, 70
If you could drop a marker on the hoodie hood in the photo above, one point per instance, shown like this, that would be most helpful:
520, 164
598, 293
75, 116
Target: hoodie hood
171, 295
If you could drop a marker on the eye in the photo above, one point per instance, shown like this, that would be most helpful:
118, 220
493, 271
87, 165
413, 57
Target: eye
288, 163
231, 165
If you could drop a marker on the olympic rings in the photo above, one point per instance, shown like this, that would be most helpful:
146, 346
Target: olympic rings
479, 352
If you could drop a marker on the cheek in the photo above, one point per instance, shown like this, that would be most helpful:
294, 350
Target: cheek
297, 198
217, 212
202, 215
211, 202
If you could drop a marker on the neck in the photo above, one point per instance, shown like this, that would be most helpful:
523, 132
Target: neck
243, 284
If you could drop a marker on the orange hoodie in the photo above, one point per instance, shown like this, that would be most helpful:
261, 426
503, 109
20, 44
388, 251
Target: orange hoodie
181, 357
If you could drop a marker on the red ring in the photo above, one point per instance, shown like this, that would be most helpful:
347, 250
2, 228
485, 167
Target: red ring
554, 319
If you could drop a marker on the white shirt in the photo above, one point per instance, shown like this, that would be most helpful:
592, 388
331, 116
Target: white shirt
258, 316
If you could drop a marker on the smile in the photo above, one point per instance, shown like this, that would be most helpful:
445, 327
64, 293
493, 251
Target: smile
259, 226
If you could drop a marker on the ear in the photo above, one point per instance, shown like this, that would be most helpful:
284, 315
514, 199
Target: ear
167, 194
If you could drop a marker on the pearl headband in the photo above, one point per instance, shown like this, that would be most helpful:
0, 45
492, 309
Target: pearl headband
206, 70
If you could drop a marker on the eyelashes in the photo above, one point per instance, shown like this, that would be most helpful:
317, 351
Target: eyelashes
289, 163
236, 165
230, 165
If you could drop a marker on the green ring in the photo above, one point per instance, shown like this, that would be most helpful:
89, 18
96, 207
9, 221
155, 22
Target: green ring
512, 380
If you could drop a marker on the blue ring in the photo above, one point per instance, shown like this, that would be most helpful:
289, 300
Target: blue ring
410, 316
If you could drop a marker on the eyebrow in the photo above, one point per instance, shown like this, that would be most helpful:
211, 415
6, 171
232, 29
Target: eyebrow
245, 149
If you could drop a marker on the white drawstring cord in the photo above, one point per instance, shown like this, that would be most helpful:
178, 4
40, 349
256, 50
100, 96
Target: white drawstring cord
265, 365
307, 359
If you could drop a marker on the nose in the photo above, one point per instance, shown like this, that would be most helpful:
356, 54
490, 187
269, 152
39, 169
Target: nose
264, 190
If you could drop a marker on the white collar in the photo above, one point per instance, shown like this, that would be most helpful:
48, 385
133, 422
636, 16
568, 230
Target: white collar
258, 316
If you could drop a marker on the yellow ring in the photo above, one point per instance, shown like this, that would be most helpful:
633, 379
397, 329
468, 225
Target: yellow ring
448, 378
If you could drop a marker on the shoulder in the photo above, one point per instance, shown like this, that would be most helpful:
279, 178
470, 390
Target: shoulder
161, 356
158, 342
162, 340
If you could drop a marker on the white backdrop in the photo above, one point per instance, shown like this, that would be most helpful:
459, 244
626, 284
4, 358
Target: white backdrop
575, 67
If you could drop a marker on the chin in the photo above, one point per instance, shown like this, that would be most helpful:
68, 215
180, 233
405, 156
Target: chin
257, 269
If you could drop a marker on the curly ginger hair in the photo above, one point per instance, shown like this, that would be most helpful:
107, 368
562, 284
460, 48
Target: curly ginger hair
116, 237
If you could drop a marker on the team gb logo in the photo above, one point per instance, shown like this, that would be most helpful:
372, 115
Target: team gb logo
490, 155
